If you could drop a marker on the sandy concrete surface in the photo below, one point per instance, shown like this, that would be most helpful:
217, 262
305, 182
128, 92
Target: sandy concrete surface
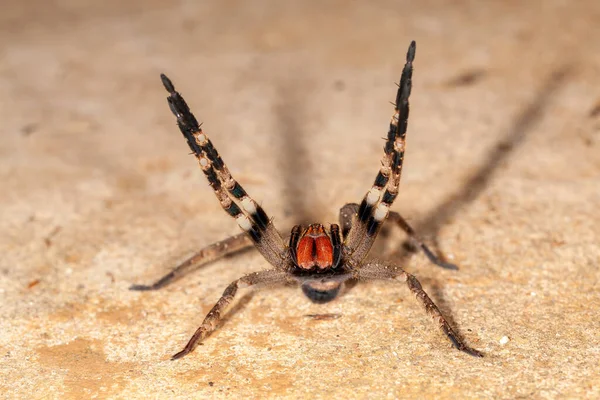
98, 192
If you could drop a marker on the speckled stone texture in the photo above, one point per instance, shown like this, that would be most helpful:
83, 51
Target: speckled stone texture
502, 175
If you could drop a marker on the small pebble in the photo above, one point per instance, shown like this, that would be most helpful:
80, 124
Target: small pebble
504, 340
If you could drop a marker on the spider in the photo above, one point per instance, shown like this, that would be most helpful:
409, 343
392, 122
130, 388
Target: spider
318, 259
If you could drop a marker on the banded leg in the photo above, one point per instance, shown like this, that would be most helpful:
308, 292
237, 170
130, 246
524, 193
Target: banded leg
374, 208
212, 319
208, 254
350, 210
250, 216
373, 271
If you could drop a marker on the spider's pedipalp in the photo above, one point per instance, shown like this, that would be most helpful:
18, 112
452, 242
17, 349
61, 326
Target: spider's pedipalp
233, 198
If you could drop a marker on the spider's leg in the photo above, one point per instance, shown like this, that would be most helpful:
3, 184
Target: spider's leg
233, 198
374, 208
375, 271
208, 254
212, 319
350, 210
396, 217
378, 271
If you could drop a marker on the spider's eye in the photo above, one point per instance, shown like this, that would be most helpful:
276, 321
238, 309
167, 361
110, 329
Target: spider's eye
314, 249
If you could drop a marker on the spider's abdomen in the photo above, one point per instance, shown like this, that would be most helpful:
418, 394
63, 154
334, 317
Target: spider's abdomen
321, 292
314, 249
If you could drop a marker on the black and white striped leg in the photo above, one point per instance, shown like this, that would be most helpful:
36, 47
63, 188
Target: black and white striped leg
208, 254
378, 271
233, 198
374, 208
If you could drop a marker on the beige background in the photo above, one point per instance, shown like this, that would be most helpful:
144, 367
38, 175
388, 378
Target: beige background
98, 192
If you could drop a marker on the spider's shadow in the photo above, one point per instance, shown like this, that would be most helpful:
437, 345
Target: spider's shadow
476, 183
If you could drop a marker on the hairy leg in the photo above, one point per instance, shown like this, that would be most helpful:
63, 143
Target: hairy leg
212, 319
208, 254
374, 208
379, 271
350, 210
236, 202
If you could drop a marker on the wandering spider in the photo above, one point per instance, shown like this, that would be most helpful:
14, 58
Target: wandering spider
320, 260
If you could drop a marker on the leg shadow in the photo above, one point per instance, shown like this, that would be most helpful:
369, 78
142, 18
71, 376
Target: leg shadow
476, 183
497, 155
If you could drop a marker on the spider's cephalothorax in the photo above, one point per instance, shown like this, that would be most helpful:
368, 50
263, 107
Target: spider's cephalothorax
320, 261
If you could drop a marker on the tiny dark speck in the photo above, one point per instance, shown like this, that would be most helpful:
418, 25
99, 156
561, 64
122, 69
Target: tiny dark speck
467, 78
595, 111
29, 129
211, 384
339, 85
504, 146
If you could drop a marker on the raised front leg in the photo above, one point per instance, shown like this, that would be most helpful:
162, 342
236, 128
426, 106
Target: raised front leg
236, 202
374, 208
373, 271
